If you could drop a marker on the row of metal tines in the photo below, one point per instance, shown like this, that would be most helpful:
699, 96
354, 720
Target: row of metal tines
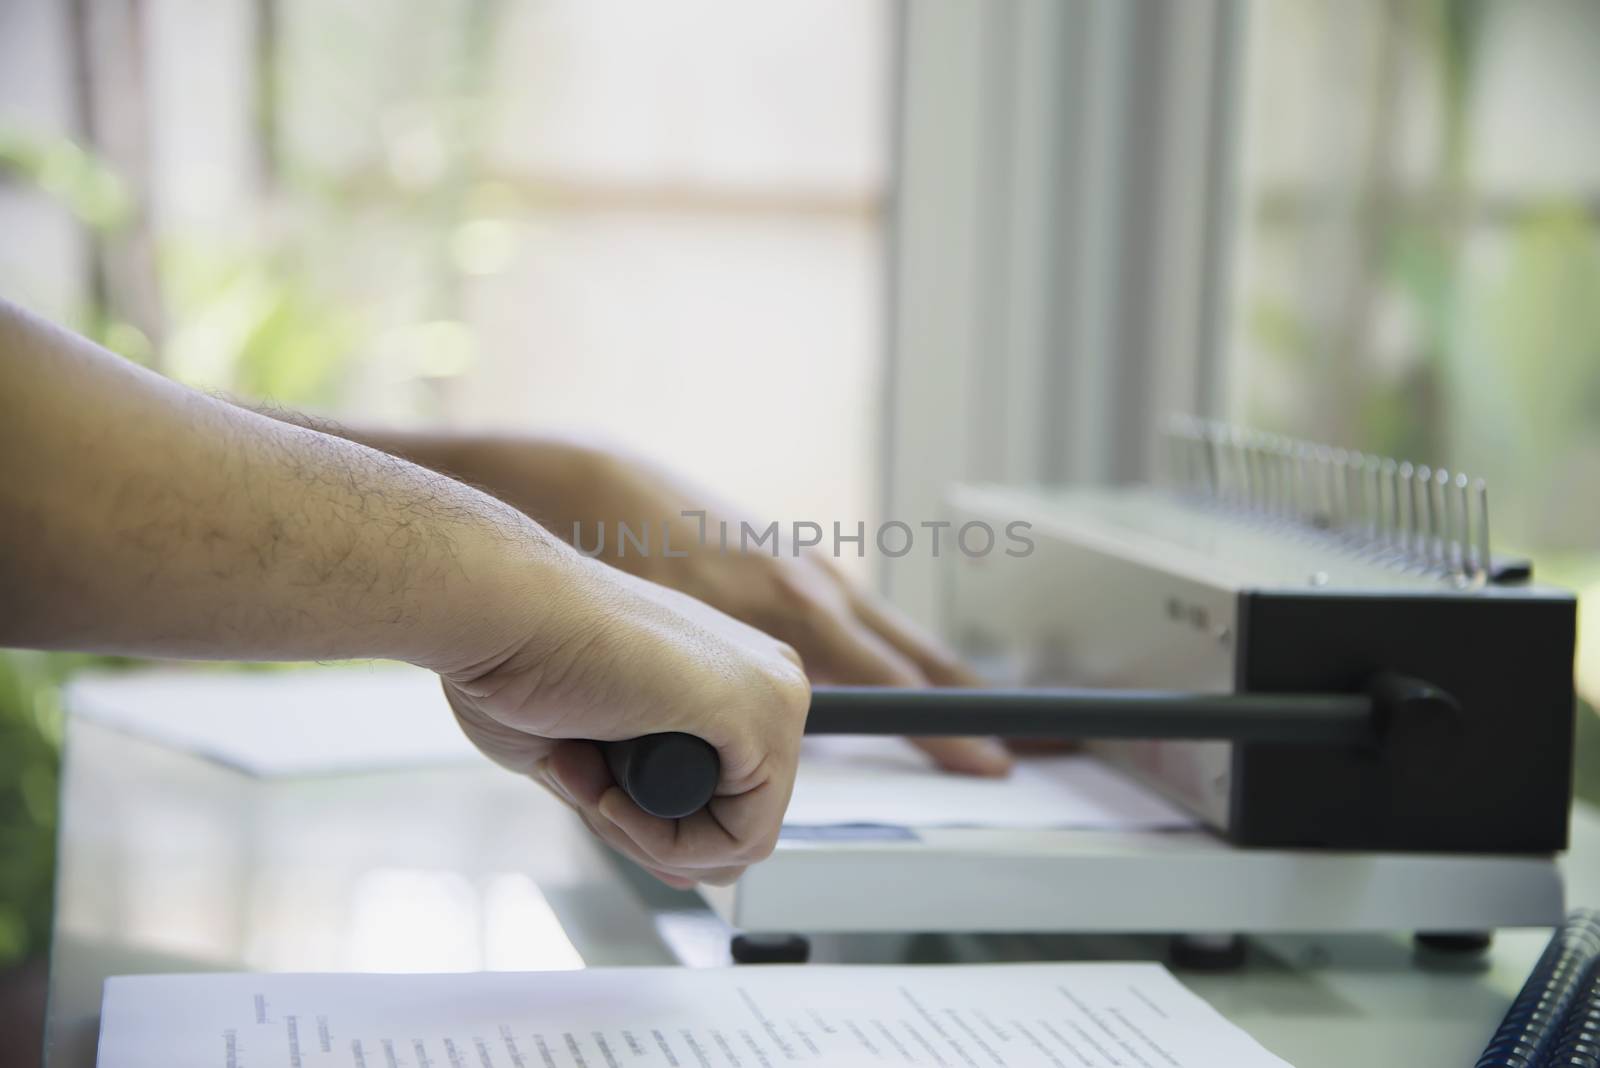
1396, 512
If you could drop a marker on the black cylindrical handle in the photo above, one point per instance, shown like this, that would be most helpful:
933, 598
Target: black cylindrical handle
670, 775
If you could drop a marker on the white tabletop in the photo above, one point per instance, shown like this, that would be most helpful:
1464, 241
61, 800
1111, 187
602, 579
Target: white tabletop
172, 862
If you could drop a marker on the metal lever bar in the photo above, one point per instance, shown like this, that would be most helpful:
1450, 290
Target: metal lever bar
1307, 719
674, 775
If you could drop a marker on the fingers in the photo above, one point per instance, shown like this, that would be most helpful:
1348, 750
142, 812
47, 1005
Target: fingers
580, 770
729, 832
845, 651
510, 748
974, 756
614, 838
938, 664
578, 773
984, 757
893, 640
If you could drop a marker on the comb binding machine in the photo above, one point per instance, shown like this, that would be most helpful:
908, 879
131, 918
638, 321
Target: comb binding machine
1265, 571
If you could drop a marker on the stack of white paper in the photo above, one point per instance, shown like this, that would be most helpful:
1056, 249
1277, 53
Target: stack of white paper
995, 1016
886, 781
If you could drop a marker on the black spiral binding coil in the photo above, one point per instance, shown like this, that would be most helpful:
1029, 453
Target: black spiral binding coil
1580, 1038
1555, 1019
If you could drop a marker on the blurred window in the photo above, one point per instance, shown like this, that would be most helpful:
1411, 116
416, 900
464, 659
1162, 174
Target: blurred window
658, 223
1421, 252
1421, 256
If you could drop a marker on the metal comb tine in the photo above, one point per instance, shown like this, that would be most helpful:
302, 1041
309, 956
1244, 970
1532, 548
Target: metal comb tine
1405, 474
1283, 464
1292, 480
1388, 503
1316, 502
1270, 477
1205, 477
1238, 446
1254, 475
1283, 477
1374, 501
1192, 471
1355, 495
1217, 435
1213, 457
1312, 497
1241, 468
1441, 509
1188, 470
1177, 456
1174, 457
1485, 560
1267, 475
1322, 465
1305, 481
1228, 475
1333, 486
1213, 461
1261, 451
1422, 513
1338, 503
1189, 462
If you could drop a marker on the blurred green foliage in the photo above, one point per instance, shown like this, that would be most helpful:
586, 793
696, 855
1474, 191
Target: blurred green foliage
1476, 319
1542, 324
30, 737
31, 682
247, 321
30, 751
61, 168
75, 178
286, 308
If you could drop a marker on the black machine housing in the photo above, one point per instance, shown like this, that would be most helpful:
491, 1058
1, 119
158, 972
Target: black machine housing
1502, 783
1144, 588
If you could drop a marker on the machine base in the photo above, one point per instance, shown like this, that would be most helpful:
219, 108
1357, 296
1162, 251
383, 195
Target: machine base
1190, 882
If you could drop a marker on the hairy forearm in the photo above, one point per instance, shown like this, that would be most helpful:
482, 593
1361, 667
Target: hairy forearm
549, 477
138, 516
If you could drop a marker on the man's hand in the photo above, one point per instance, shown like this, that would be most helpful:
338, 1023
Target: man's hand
843, 634
140, 517
639, 659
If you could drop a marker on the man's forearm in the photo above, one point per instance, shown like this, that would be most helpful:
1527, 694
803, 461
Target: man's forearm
549, 477
138, 516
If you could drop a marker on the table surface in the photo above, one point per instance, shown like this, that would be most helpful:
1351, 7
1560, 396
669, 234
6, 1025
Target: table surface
169, 862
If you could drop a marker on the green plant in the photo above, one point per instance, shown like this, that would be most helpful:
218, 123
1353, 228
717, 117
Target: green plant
30, 748
276, 309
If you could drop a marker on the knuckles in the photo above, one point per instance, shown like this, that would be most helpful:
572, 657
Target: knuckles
791, 688
761, 849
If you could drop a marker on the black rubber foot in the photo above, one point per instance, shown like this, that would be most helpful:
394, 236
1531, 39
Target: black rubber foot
770, 949
1454, 941
1207, 953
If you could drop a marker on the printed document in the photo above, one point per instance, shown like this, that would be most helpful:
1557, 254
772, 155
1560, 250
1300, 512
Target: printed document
946, 1016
